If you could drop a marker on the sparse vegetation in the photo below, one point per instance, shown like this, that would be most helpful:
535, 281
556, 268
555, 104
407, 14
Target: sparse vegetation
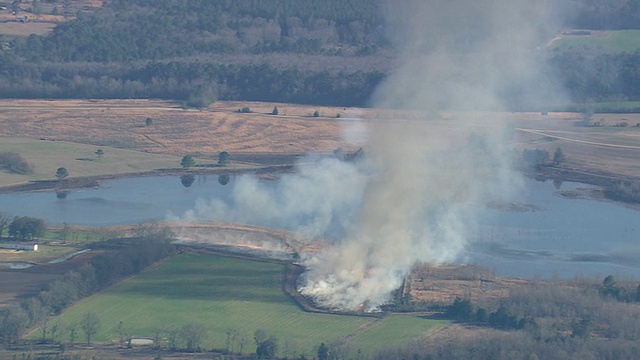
559, 157
224, 158
624, 191
89, 325
549, 318
62, 173
187, 161
536, 157
14, 163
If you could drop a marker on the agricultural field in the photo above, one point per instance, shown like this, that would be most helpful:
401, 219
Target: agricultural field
80, 160
607, 41
225, 293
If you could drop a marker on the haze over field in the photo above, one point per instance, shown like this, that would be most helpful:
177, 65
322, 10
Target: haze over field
415, 196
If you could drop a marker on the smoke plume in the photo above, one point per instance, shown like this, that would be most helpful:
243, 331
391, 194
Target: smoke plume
425, 177
431, 181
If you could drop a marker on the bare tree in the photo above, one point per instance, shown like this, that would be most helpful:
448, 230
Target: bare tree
44, 327
157, 336
73, 332
13, 325
64, 232
288, 346
193, 335
172, 338
89, 325
54, 331
242, 341
231, 339
5, 220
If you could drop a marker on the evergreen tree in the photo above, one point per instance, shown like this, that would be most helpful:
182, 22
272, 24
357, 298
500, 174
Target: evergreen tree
558, 157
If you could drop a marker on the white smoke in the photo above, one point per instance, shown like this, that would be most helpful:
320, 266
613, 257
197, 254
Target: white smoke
430, 183
417, 195
318, 200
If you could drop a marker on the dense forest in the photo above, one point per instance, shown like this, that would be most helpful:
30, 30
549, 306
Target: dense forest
332, 52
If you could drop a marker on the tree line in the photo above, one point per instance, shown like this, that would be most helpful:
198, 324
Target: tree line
123, 257
554, 319
163, 49
126, 31
194, 83
22, 228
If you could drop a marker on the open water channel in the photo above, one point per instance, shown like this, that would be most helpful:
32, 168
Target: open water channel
540, 232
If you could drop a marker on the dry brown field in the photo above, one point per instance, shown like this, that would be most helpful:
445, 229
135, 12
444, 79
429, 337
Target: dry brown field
19, 284
41, 23
175, 131
15, 28
443, 284
607, 150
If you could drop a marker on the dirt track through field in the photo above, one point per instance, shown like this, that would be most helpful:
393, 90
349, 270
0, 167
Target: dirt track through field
594, 143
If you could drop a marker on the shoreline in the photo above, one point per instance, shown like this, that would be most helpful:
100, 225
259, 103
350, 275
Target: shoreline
602, 179
94, 181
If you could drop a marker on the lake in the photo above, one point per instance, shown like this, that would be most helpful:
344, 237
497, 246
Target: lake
539, 232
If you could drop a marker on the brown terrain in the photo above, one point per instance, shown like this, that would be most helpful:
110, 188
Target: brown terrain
594, 154
18, 284
607, 151
27, 20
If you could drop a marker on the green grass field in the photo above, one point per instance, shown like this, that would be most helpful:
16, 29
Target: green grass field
619, 40
57, 245
614, 107
226, 293
80, 160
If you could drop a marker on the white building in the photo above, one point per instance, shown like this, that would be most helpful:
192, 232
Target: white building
20, 246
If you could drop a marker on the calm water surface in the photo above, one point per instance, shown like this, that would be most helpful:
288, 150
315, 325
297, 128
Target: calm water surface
556, 236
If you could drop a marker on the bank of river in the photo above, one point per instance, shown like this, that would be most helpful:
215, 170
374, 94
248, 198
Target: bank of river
548, 229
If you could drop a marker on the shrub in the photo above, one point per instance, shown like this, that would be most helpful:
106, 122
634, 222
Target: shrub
14, 163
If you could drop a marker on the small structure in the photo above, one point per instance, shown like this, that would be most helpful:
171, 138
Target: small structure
20, 246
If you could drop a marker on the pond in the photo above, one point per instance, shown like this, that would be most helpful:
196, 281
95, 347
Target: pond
559, 235
540, 232
117, 202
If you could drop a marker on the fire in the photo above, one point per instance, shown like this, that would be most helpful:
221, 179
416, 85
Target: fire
250, 246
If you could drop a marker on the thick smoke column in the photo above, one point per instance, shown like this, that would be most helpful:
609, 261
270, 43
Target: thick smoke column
418, 193
421, 203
